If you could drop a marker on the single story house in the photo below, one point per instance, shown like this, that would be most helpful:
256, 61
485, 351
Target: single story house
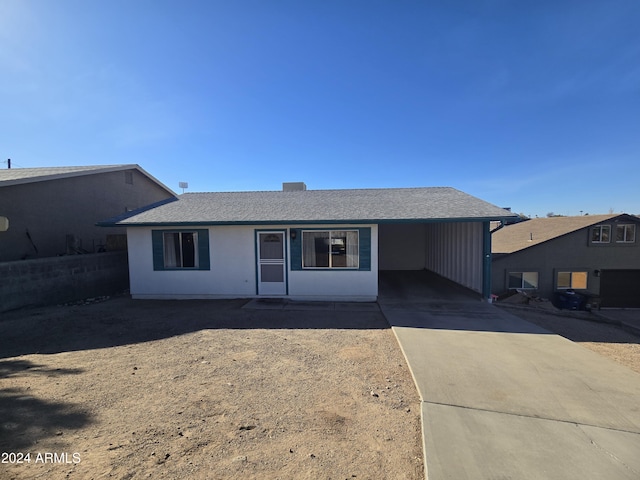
596, 254
53, 211
306, 244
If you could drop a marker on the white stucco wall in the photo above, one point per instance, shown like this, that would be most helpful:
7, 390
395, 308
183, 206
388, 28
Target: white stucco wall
233, 269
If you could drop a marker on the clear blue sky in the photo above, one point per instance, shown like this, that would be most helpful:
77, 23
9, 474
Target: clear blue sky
533, 105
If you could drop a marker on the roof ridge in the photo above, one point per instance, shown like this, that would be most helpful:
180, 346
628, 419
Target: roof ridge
579, 216
98, 165
19, 176
323, 190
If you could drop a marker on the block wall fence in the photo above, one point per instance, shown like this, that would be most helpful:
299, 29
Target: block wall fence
57, 280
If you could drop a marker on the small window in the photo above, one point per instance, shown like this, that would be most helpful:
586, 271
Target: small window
626, 233
523, 280
601, 234
330, 249
128, 178
180, 249
573, 280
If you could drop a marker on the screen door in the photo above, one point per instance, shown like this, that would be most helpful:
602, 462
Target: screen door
272, 275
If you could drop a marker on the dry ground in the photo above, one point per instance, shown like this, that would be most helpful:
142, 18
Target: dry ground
587, 329
204, 390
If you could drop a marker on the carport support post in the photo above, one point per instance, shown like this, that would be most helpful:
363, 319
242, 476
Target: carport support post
486, 261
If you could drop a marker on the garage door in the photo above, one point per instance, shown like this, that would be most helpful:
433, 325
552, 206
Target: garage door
620, 288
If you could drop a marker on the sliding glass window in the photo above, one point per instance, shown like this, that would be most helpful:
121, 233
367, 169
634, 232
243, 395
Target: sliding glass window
330, 249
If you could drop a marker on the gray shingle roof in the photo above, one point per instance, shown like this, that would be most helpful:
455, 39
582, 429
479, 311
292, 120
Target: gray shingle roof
16, 176
317, 206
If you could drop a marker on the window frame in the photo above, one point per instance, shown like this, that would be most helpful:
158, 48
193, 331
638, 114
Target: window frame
600, 229
330, 249
522, 280
201, 249
624, 234
571, 279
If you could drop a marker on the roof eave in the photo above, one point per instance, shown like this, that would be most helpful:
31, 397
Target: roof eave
80, 173
118, 220
155, 180
300, 222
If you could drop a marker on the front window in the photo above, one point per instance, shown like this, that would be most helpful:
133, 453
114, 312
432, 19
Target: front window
601, 234
574, 280
180, 249
523, 280
330, 249
626, 233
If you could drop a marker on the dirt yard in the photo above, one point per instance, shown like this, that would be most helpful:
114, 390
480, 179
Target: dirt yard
204, 390
587, 329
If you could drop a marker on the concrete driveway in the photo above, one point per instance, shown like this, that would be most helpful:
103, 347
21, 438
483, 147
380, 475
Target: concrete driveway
627, 318
505, 399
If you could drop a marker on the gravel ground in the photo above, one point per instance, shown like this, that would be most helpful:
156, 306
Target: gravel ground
204, 390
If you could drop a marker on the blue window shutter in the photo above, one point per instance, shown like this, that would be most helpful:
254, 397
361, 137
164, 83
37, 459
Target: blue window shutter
365, 249
203, 250
296, 250
158, 253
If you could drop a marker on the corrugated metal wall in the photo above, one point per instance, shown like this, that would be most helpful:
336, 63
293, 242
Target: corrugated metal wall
455, 251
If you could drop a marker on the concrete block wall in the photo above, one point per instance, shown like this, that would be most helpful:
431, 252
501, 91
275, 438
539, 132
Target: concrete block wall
55, 280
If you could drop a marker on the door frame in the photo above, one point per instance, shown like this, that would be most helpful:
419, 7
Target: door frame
285, 264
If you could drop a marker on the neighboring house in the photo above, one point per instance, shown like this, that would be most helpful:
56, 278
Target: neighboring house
53, 211
596, 254
306, 244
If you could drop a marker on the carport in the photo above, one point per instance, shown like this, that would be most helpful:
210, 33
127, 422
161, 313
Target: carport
458, 250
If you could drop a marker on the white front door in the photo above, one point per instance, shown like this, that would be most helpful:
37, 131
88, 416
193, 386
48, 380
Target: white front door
272, 274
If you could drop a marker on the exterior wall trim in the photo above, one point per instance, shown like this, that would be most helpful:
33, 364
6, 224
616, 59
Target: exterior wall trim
486, 261
118, 223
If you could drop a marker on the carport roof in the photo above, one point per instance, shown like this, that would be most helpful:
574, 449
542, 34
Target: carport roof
315, 206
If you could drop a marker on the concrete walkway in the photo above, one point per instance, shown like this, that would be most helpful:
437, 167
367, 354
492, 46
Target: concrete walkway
505, 399
285, 304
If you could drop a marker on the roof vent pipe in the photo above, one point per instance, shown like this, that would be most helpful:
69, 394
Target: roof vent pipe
293, 186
